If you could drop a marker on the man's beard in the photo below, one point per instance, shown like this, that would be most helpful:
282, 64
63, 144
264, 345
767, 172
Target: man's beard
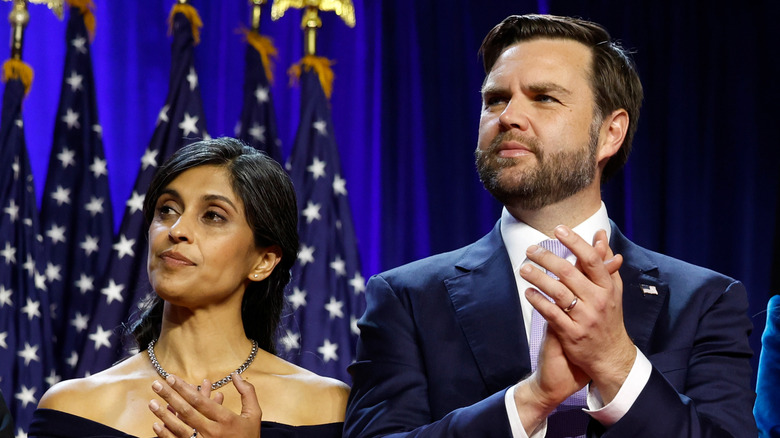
556, 176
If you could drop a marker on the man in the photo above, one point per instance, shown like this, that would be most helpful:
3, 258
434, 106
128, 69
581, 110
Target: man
660, 346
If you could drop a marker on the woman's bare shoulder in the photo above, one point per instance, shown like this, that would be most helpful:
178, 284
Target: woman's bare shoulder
83, 396
308, 397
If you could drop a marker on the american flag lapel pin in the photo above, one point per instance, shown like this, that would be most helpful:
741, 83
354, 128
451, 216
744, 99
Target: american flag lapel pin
648, 289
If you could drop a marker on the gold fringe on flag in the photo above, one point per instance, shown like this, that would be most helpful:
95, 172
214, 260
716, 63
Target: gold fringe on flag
17, 69
86, 7
320, 65
192, 15
265, 47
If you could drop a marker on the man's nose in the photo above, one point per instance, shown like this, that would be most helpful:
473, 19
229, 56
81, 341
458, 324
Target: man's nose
514, 116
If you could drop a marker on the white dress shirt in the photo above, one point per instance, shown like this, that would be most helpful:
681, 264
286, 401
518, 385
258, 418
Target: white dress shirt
517, 237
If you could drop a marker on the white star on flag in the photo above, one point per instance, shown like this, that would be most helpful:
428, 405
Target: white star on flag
339, 266
149, 158
53, 378
5, 297
163, 115
40, 281
358, 283
290, 340
90, 244
80, 43
136, 202
61, 195
334, 308
192, 78
312, 212
321, 127
3, 337
73, 360
95, 206
306, 255
85, 283
98, 167
113, 292
9, 254
12, 210
26, 396
339, 185
297, 298
29, 354
74, 80
353, 325
328, 351
53, 272
67, 158
257, 132
71, 118
262, 94
101, 337
317, 168
189, 124
56, 234
32, 309
81, 322
124, 247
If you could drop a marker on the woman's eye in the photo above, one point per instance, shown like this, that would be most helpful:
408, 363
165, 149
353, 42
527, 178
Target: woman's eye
213, 216
165, 210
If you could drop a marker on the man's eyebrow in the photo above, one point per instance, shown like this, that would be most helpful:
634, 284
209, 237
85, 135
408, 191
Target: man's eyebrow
492, 89
546, 87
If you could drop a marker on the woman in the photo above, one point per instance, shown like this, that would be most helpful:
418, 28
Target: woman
222, 238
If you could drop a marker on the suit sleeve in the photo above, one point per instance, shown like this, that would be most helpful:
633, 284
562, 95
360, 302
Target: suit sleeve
717, 399
6, 422
389, 395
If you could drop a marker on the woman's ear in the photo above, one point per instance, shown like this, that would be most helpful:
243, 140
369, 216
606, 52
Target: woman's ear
266, 262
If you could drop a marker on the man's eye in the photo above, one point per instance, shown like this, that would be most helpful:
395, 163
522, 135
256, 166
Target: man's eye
545, 98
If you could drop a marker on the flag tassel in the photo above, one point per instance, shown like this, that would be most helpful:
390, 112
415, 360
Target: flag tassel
18, 69
192, 16
265, 47
320, 65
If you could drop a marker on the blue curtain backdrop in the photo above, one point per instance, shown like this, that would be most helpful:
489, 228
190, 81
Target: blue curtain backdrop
701, 184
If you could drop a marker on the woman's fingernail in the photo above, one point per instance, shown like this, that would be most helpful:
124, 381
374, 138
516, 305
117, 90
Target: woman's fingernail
157, 386
154, 406
171, 380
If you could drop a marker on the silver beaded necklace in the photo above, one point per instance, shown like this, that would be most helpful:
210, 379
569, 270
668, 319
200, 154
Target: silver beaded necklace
164, 374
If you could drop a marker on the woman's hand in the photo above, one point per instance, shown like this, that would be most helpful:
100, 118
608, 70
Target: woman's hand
192, 412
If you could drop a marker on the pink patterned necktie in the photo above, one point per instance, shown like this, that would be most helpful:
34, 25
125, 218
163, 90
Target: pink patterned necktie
568, 420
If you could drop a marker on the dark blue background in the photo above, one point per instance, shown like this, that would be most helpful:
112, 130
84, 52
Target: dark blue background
701, 184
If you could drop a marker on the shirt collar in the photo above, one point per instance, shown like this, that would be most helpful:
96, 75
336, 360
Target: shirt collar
518, 236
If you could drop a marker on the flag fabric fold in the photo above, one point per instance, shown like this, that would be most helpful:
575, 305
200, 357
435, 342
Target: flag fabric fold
326, 294
25, 326
257, 126
181, 121
76, 213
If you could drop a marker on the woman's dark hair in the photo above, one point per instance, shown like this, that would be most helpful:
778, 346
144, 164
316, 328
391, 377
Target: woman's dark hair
271, 211
613, 75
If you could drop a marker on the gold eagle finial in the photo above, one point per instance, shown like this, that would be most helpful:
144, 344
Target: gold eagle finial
343, 8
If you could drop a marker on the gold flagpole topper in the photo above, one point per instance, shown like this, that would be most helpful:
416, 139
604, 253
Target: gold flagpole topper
311, 19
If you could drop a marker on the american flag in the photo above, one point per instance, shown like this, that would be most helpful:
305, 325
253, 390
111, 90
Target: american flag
25, 327
257, 127
76, 212
180, 122
326, 293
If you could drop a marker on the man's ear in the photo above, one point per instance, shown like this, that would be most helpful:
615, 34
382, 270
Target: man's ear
266, 262
612, 133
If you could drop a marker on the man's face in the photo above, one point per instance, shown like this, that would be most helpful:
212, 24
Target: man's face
537, 135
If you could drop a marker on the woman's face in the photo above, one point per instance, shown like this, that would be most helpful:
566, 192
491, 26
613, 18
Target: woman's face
201, 248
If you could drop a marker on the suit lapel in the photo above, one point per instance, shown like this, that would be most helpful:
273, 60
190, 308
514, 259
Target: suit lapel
644, 294
487, 307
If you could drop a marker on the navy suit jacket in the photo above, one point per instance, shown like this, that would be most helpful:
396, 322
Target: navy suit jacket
443, 338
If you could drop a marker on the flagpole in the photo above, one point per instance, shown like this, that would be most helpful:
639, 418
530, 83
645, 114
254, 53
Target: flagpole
257, 10
19, 17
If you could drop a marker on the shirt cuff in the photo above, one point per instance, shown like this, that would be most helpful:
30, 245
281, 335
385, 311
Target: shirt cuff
518, 431
635, 382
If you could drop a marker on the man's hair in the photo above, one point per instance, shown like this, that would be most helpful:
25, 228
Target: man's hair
613, 75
